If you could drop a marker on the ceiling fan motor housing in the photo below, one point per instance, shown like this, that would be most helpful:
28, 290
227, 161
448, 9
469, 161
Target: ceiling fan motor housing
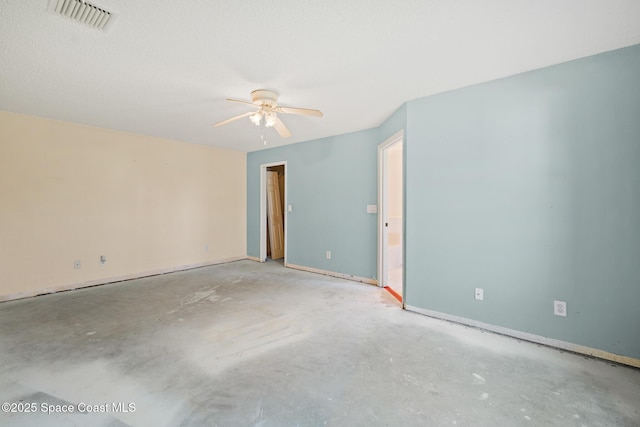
264, 98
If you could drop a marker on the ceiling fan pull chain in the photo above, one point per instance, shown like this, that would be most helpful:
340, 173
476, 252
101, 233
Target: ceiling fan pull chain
263, 132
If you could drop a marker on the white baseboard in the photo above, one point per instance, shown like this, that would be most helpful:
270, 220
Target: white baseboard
333, 274
104, 281
253, 258
538, 339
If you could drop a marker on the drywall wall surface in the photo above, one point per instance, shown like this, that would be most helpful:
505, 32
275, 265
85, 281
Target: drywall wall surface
330, 182
71, 193
529, 187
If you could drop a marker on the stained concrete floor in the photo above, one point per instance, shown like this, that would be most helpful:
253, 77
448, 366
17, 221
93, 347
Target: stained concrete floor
260, 345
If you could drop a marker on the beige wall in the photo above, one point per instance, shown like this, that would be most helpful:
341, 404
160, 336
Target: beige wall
72, 192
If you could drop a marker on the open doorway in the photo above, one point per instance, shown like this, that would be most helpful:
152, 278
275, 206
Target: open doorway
272, 212
390, 217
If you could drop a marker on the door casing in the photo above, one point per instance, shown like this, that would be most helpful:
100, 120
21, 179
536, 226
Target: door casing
263, 209
275, 215
383, 211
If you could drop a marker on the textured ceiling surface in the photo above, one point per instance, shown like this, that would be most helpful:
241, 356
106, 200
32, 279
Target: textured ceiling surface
164, 68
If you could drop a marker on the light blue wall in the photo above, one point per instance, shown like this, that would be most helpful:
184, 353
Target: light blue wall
529, 187
330, 182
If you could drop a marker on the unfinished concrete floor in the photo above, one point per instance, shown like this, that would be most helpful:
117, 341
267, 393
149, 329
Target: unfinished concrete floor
257, 344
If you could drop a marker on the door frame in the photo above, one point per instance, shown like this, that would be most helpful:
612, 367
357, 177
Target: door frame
383, 171
263, 209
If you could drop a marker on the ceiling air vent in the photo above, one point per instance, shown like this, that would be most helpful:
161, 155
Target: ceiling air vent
82, 11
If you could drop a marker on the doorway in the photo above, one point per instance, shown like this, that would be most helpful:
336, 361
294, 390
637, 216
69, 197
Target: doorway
273, 224
390, 218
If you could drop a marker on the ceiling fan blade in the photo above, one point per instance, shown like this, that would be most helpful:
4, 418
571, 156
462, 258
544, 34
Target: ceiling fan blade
232, 119
302, 111
239, 101
281, 128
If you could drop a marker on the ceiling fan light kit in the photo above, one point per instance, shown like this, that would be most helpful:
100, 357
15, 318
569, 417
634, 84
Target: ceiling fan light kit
266, 101
256, 118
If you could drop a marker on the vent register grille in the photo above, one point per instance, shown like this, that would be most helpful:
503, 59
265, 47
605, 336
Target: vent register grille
82, 11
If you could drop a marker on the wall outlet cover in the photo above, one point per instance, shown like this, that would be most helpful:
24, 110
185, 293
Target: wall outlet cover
479, 294
560, 308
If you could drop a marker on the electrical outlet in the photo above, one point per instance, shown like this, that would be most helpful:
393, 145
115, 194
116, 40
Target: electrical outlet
103, 260
328, 254
206, 248
479, 294
560, 308
76, 265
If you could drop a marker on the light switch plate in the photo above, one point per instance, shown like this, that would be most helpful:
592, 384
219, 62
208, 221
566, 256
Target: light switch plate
372, 209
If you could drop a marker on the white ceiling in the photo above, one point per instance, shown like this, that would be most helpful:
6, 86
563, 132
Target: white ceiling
164, 68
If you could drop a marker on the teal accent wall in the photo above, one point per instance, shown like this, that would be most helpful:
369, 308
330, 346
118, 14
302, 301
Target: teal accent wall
330, 182
529, 187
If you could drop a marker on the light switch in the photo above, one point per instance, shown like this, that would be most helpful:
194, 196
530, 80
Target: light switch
290, 208
372, 209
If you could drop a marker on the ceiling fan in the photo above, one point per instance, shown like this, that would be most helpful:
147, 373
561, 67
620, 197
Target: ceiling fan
266, 102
